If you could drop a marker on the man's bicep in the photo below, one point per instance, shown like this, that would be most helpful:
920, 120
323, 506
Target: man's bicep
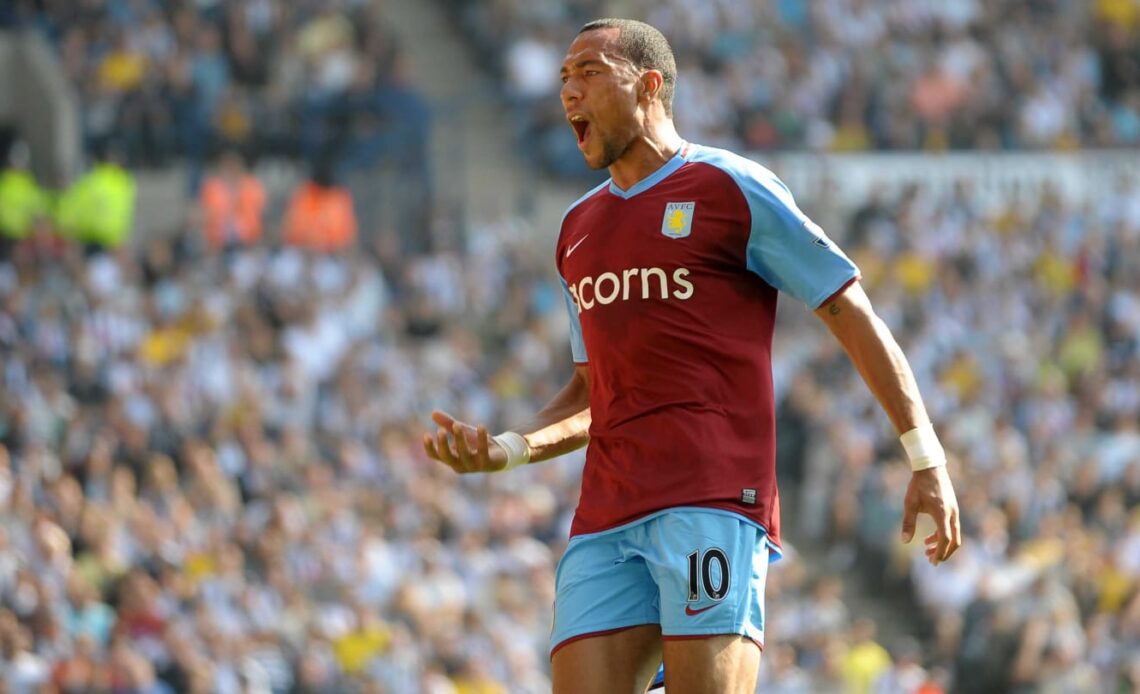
582, 374
851, 318
580, 382
574, 396
848, 311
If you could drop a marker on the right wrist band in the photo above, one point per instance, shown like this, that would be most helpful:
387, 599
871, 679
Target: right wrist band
518, 450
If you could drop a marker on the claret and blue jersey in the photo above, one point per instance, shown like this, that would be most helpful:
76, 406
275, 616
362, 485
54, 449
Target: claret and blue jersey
671, 290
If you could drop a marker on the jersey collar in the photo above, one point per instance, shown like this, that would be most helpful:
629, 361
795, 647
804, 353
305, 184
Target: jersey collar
654, 178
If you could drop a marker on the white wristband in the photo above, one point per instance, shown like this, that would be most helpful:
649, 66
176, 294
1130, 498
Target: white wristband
922, 448
518, 450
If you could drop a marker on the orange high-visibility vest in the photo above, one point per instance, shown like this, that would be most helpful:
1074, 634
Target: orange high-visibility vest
232, 214
320, 219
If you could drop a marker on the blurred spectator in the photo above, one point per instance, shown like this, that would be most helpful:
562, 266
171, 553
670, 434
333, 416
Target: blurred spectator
98, 208
905, 672
25, 672
320, 214
232, 204
865, 661
784, 675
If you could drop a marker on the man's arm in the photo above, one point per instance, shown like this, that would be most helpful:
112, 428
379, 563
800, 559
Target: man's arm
883, 366
560, 427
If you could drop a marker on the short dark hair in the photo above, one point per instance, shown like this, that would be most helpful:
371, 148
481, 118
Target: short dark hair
645, 47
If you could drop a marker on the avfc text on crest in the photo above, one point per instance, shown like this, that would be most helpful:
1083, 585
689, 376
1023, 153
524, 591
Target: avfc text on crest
678, 221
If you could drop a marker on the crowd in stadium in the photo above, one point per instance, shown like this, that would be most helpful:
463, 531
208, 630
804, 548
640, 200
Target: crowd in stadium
210, 472
1022, 321
212, 476
851, 75
212, 479
267, 77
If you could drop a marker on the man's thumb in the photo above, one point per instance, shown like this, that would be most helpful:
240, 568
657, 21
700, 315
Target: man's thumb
909, 518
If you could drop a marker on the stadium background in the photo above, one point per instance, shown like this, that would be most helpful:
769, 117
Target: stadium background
210, 475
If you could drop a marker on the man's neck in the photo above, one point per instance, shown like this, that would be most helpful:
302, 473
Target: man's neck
646, 154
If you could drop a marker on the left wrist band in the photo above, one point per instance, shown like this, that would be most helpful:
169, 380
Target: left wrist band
923, 449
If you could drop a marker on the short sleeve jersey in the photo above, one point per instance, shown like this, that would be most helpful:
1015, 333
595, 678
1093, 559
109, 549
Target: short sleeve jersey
671, 290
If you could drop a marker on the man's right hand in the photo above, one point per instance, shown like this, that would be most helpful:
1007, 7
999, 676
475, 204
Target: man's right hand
463, 447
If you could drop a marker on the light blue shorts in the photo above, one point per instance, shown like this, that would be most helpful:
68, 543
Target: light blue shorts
694, 571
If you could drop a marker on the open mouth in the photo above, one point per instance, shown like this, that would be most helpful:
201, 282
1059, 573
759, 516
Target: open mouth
581, 128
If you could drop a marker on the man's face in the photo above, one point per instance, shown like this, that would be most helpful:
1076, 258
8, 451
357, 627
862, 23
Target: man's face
600, 92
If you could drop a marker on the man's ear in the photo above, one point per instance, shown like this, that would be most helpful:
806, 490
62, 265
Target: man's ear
651, 83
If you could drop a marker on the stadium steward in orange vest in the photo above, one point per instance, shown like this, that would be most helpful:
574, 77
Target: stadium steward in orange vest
232, 204
320, 216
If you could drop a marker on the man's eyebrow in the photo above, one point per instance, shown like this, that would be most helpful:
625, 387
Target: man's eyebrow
582, 64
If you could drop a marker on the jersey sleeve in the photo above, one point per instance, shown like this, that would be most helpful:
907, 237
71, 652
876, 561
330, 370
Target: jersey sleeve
787, 249
577, 345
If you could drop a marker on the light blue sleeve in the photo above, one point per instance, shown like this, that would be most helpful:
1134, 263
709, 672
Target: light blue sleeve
785, 248
789, 250
577, 345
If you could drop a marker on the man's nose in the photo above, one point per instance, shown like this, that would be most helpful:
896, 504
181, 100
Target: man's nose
570, 93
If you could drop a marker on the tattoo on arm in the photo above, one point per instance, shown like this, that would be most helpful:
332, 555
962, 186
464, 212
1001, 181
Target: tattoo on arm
833, 309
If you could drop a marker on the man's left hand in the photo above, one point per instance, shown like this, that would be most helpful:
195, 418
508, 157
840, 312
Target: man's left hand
931, 492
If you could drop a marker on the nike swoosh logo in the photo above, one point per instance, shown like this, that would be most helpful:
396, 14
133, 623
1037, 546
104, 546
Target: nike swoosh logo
691, 612
576, 244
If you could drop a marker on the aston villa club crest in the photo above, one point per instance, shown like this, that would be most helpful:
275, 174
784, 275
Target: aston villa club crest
678, 221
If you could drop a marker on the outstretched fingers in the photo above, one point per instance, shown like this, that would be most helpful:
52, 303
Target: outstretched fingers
429, 447
443, 420
447, 454
436, 449
483, 443
461, 449
460, 446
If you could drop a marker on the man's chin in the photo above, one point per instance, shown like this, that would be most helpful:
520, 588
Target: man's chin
597, 162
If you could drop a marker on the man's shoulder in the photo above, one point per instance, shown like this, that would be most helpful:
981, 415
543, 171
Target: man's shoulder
583, 202
591, 194
739, 167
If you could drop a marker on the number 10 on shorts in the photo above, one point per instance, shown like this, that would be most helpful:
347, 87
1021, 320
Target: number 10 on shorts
701, 574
